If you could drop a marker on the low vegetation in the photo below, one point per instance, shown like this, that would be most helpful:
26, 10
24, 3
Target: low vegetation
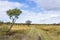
20, 32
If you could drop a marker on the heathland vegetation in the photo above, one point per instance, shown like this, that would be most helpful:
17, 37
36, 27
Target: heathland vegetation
31, 32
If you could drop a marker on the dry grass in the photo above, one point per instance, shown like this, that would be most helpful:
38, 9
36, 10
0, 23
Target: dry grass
48, 32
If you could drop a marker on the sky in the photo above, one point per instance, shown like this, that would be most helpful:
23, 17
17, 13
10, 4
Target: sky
37, 11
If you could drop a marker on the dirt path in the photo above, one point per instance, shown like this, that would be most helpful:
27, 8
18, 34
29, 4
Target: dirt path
33, 34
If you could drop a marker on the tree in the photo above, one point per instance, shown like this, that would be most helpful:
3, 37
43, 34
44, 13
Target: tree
13, 15
1, 22
28, 22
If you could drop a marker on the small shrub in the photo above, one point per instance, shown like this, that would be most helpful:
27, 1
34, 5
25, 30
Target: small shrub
58, 32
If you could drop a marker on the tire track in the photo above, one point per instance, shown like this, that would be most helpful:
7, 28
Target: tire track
33, 34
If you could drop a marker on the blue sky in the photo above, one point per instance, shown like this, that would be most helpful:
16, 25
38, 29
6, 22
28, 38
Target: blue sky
38, 11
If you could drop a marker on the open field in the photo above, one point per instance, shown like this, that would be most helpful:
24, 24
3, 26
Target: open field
32, 32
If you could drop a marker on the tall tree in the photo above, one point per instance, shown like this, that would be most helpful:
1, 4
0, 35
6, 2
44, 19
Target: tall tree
13, 15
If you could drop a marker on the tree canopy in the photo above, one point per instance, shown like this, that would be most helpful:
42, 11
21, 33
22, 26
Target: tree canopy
14, 13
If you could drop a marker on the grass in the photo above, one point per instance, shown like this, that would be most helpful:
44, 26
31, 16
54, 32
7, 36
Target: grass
20, 32
45, 36
51, 32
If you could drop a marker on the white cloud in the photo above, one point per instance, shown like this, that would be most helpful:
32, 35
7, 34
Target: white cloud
40, 17
48, 4
46, 17
6, 5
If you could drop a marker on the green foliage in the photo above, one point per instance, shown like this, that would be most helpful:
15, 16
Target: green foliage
14, 12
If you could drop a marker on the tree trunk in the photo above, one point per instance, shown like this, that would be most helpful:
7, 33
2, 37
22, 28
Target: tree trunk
11, 25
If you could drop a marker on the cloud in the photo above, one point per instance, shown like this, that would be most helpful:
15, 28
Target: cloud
6, 5
50, 12
46, 17
36, 17
48, 4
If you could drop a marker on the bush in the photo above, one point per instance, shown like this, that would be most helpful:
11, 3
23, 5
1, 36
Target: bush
28, 22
